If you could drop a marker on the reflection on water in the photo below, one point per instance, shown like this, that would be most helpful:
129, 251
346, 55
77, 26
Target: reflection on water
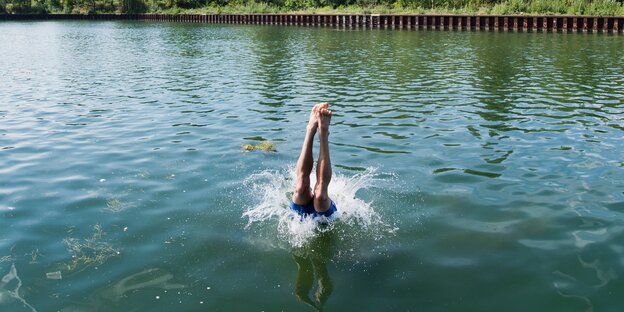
312, 275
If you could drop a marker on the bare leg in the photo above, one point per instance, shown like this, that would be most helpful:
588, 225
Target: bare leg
323, 166
302, 195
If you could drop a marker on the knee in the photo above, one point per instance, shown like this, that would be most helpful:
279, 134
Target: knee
320, 194
303, 185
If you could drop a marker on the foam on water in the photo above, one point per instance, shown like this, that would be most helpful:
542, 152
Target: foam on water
272, 191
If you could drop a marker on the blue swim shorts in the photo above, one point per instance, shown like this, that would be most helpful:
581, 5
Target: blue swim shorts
308, 210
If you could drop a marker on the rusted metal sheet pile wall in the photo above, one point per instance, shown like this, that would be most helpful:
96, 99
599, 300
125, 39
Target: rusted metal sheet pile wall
591, 24
90, 17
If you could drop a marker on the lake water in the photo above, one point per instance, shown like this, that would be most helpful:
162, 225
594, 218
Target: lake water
474, 171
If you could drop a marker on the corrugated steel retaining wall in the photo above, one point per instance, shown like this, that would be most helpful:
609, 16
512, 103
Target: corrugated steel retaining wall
519, 23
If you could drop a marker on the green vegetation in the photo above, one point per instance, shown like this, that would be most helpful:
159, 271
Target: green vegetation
266, 146
573, 7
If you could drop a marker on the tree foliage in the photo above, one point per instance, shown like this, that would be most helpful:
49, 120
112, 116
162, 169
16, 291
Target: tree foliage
599, 7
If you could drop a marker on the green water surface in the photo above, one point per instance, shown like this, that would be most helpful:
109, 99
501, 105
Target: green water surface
497, 159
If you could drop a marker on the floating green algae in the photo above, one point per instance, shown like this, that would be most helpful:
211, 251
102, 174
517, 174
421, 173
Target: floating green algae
89, 251
34, 256
114, 204
266, 146
8, 258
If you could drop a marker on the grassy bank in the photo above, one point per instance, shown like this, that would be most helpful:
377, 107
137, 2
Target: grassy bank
500, 7
540, 7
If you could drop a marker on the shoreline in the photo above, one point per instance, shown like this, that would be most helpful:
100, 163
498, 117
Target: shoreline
450, 22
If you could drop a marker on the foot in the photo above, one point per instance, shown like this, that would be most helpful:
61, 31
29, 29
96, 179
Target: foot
324, 118
313, 122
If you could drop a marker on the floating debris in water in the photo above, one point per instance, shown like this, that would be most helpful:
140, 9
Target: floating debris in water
8, 258
266, 146
34, 256
114, 204
90, 251
54, 275
143, 174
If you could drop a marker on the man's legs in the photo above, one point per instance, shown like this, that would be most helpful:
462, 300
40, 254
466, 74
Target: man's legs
323, 166
302, 195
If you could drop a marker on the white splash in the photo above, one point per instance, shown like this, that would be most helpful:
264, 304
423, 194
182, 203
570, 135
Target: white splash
271, 196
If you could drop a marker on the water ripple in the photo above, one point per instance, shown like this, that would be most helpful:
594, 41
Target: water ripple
505, 149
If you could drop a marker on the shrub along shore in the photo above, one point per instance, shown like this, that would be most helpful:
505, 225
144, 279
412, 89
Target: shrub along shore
495, 7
